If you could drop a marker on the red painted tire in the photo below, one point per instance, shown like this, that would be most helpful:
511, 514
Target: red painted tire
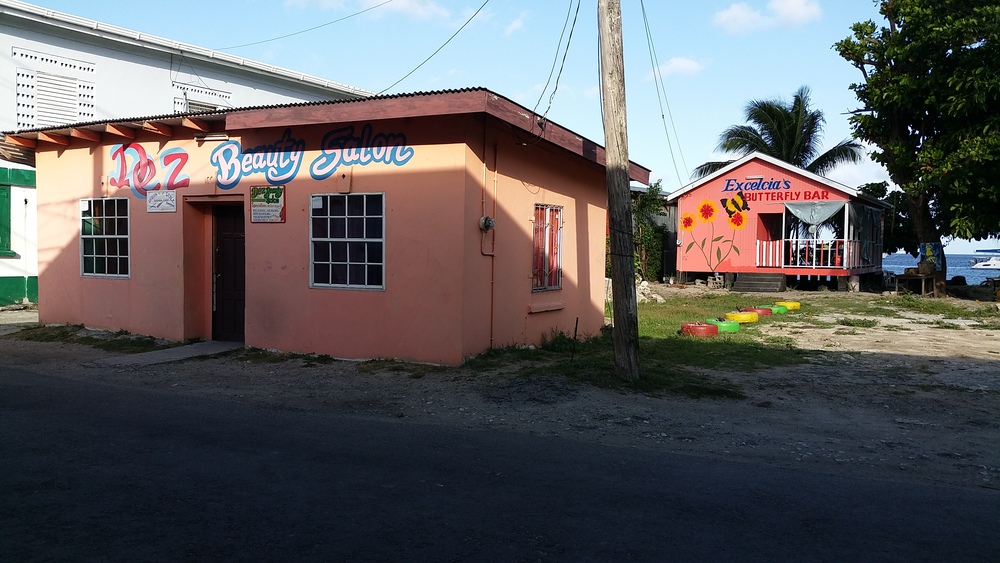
761, 311
699, 330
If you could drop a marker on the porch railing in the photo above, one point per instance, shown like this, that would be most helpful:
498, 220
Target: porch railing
818, 253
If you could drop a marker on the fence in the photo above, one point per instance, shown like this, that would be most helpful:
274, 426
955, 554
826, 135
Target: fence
818, 253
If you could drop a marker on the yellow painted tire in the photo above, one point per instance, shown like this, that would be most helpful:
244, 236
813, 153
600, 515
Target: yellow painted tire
742, 317
790, 305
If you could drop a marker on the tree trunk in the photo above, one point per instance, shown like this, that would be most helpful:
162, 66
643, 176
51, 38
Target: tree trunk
626, 327
923, 225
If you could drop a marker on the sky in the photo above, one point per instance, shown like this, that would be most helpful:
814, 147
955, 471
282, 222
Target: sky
714, 56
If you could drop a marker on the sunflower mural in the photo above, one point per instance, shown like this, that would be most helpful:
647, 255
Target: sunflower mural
714, 248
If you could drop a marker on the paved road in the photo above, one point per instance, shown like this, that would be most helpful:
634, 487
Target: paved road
95, 472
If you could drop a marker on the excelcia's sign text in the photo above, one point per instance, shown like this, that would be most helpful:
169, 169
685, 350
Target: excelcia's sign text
733, 185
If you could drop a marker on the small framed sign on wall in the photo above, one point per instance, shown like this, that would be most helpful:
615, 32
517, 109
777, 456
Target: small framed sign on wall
267, 204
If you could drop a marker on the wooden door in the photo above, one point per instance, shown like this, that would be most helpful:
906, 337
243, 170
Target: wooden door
229, 275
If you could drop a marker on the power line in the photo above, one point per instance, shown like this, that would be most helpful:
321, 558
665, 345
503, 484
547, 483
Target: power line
658, 80
306, 30
555, 58
438, 49
562, 65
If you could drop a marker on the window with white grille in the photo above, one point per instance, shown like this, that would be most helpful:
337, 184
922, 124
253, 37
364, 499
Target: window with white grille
347, 233
104, 237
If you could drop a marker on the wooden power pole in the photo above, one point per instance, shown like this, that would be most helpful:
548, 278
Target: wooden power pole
626, 328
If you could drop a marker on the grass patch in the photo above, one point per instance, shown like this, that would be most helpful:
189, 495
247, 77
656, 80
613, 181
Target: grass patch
846, 332
860, 323
946, 325
816, 323
120, 342
669, 363
264, 356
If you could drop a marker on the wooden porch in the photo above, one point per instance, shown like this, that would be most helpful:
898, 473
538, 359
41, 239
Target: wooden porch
812, 256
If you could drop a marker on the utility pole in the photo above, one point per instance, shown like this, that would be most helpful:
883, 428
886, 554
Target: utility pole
626, 328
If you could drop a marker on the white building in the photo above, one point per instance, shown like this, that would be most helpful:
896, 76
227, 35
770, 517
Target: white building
66, 70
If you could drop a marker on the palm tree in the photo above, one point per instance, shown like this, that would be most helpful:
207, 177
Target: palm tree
790, 132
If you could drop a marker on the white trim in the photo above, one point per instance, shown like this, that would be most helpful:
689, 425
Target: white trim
312, 240
127, 237
770, 160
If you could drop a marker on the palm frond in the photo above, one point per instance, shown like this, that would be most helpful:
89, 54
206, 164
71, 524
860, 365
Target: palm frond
709, 168
791, 132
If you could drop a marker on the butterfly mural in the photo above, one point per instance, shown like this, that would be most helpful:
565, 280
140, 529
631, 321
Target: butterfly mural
735, 204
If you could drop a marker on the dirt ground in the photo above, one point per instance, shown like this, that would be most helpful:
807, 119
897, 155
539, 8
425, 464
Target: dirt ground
914, 399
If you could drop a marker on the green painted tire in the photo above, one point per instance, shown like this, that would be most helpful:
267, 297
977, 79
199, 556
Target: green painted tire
724, 325
779, 309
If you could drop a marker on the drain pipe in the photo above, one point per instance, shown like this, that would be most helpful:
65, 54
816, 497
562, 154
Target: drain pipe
486, 224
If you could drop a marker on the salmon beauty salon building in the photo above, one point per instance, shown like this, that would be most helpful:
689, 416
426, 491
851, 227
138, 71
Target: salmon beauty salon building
760, 215
427, 227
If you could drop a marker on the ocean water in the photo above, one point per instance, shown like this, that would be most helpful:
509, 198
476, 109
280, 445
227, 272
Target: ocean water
958, 265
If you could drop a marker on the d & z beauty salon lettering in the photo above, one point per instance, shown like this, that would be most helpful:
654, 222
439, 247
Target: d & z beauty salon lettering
281, 160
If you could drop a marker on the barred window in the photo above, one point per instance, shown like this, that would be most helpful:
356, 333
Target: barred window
546, 267
104, 237
347, 234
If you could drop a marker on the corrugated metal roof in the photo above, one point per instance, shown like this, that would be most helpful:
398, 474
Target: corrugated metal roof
491, 103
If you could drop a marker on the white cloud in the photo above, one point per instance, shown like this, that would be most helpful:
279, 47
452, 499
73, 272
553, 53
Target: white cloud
681, 66
795, 12
742, 18
322, 4
516, 25
416, 9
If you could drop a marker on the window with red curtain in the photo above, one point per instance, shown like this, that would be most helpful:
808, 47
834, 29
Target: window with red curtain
546, 265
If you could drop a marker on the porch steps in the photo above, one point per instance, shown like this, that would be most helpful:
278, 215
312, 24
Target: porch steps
759, 283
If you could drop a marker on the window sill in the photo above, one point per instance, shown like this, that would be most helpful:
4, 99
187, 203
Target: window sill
543, 307
8, 254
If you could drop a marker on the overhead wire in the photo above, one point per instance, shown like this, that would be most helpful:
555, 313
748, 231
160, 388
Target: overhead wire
338, 20
459, 30
661, 99
555, 59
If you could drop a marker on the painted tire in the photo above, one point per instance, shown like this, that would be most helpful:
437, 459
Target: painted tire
724, 325
790, 305
775, 309
761, 311
742, 317
699, 330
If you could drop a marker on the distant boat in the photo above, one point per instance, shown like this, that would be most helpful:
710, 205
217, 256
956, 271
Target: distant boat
991, 263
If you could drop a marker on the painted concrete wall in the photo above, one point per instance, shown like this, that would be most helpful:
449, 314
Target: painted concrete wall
516, 177
19, 273
725, 241
444, 297
127, 80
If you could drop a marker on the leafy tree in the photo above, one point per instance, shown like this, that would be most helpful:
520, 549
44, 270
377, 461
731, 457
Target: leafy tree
898, 228
930, 97
648, 234
791, 132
